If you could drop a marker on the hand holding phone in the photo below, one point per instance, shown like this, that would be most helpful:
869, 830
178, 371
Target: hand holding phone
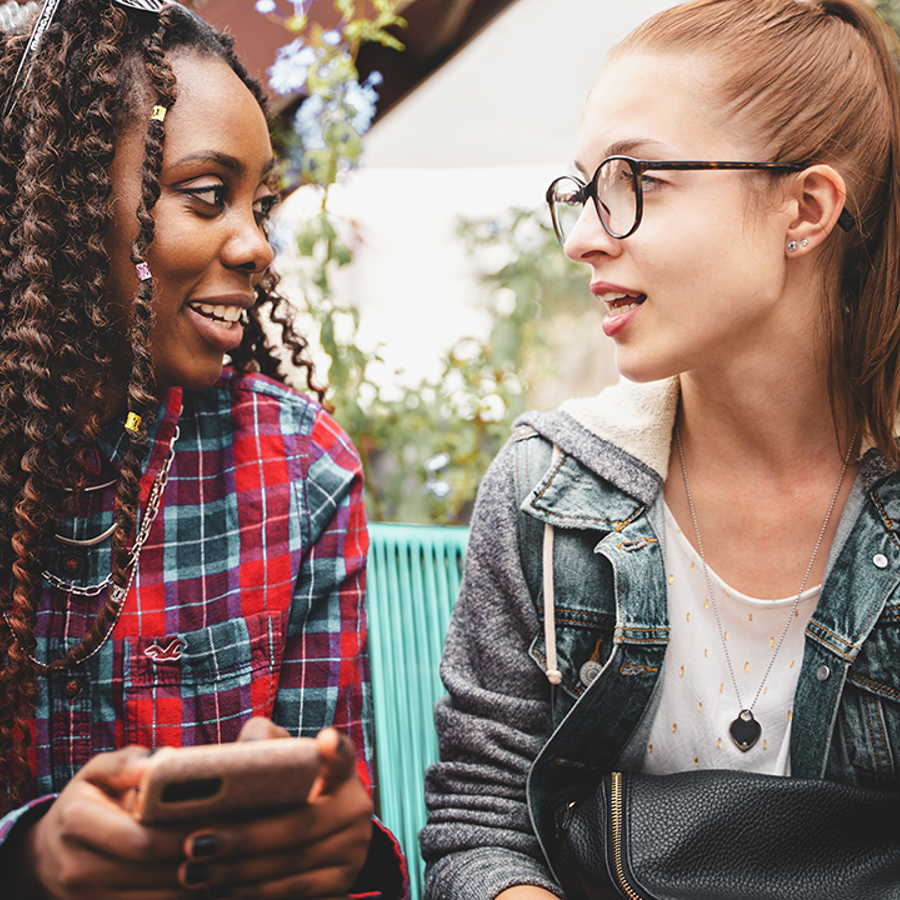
189, 783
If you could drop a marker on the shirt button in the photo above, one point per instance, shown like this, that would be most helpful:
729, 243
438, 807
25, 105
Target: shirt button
71, 564
72, 688
589, 671
880, 560
822, 673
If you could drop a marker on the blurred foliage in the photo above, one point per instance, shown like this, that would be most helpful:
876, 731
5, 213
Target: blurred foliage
889, 10
425, 447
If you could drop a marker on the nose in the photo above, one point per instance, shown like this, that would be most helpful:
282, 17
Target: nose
588, 238
248, 247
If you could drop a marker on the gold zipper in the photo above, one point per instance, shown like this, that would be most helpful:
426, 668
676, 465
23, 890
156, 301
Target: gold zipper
616, 812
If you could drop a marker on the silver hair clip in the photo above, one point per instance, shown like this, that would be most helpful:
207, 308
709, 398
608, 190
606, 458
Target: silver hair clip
16, 19
44, 21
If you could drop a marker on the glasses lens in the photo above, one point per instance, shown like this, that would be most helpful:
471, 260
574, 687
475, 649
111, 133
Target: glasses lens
616, 197
566, 199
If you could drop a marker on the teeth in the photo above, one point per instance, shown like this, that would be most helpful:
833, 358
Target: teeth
611, 298
618, 310
225, 315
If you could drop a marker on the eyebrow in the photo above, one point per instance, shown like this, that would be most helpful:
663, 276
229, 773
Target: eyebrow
620, 148
226, 161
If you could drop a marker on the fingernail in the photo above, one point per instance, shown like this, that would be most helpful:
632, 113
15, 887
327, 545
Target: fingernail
196, 873
204, 845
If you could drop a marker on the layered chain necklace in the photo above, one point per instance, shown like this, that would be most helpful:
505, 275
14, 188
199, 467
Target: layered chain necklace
744, 729
117, 593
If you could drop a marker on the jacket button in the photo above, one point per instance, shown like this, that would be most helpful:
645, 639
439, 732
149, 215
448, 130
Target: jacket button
880, 560
72, 688
589, 671
822, 673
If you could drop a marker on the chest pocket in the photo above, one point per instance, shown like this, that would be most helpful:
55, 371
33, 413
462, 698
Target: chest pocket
200, 686
869, 722
584, 611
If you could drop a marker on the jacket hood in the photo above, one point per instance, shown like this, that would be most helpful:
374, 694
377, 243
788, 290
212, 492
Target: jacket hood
624, 434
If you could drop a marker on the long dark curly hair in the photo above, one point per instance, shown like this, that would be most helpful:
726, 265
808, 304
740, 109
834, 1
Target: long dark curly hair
60, 346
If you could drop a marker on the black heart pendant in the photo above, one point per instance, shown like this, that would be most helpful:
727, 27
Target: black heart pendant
745, 730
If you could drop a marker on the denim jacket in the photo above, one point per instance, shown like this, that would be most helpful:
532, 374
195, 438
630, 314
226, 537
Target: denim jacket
603, 497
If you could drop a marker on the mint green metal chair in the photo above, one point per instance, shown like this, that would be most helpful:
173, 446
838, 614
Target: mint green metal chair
413, 579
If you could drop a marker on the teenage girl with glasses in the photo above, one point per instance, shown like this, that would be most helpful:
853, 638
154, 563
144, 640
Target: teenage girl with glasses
697, 571
182, 545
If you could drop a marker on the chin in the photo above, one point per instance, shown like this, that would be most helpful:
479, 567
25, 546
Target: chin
195, 380
642, 370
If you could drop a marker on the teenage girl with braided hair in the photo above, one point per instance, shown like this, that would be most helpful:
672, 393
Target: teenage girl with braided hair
182, 545
688, 587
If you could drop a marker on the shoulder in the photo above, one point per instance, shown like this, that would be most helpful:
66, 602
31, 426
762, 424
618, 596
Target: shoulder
263, 412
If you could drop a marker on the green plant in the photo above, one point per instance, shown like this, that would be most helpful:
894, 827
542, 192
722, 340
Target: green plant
425, 451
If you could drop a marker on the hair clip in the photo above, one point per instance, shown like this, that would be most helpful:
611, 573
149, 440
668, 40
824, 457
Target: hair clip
158, 113
142, 270
44, 21
133, 422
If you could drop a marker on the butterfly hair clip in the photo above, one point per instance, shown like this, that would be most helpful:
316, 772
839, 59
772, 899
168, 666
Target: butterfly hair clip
44, 20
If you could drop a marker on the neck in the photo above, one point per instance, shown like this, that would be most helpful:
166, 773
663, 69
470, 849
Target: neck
775, 418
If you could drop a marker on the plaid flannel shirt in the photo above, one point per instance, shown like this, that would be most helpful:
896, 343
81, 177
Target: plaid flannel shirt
248, 598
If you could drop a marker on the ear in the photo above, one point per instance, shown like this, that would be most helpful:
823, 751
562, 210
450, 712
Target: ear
819, 193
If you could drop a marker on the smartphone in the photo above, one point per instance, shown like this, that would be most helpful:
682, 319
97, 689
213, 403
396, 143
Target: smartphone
218, 780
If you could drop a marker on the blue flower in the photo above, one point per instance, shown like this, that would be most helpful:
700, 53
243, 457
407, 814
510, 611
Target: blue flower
289, 72
361, 98
308, 124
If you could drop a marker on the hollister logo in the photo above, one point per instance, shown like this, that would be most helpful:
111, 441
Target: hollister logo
170, 653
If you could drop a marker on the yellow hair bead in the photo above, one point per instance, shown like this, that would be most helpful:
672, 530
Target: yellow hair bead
133, 422
158, 114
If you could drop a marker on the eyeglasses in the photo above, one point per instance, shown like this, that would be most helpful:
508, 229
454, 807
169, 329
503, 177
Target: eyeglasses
617, 190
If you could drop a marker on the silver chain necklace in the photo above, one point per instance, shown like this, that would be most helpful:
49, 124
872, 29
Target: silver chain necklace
744, 729
97, 539
117, 593
153, 501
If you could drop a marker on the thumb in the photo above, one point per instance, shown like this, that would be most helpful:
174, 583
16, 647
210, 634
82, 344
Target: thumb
116, 772
338, 757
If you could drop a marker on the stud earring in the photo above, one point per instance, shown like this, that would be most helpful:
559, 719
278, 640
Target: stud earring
792, 246
804, 242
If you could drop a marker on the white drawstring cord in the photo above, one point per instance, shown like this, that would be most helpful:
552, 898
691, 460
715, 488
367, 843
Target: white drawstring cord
554, 676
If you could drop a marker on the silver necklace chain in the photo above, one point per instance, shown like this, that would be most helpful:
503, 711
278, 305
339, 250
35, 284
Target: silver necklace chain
117, 593
98, 539
153, 502
712, 596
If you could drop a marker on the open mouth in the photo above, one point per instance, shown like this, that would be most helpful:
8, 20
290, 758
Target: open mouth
226, 316
618, 304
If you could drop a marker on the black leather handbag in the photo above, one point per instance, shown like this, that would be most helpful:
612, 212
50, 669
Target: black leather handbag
725, 835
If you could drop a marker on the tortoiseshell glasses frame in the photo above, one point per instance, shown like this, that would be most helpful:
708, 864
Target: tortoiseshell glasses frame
620, 200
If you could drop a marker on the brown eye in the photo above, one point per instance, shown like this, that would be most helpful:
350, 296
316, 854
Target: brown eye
263, 207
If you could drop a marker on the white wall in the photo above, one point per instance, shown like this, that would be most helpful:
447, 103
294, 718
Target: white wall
487, 131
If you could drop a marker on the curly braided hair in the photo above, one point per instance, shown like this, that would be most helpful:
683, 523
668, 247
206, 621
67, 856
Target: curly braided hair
59, 348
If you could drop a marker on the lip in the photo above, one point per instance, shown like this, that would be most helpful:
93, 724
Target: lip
208, 324
622, 305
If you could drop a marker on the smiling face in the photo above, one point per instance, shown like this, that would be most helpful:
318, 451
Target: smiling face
209, 250
703, 281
